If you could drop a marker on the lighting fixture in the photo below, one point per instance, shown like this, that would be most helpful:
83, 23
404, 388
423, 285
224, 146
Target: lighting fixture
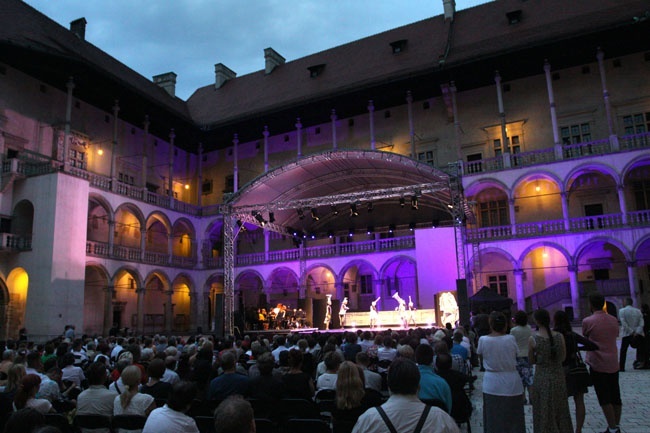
369, 207
414, 203
537, 187
100, 151
314, 214
402, 201
412, 226
330, 234
271, 217
351, 232
370, 230
435, 223
450, 206
353, 210
391, 228
187, 186
301, 213
242, 227
335, 211
260, 219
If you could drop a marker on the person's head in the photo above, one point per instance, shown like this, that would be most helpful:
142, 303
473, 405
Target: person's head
443, 362
15, 377
24, 420
181, 397
349, 386
424, 354
234, 415
228, 361
521, 318
265, 363
405, 351
131, 377
457, 337
498, 322
68, 359
332, 361
34, 361
440, 347
294, 359
561, 322
596, 301
403, 377
542, 318
628, 302
8, 355
27, 389
362, 359
96, 373
156, 369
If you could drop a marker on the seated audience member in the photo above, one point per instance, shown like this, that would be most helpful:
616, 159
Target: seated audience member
403, 410
327, 380
70, 372
170, 376
96, 400
349, 397
266, 386
7, 361
230, 382
351, 347
234, 415
26, 395
432, 386
14, 378
25, 420
155, 387
171, 417
297, 383
461, 406
79, 353
132, 402
34, 364
371, 379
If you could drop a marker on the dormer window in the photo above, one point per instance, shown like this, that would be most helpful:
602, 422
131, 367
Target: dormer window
316, 70
514, 17
399, 46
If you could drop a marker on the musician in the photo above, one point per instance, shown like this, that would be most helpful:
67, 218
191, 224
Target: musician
344, 309
328, 312
374, 314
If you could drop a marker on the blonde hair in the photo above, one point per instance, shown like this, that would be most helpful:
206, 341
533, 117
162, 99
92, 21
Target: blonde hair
131, 377
349, 386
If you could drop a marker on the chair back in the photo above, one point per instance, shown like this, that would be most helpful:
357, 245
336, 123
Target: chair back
308, 425
59, 421
265, 425
129, 422
298, 408
93, 421
205, 423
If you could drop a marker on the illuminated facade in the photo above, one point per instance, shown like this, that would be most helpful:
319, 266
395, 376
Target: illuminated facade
113, 190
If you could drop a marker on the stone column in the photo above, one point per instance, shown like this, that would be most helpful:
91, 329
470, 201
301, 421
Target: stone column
206, 321
371, 124
519, 289
333, 119
265, 133
299, 137
551, 99
169, 312
267, 241
575, 291
613, 139
143, 243
511, 209
457, 131
235, 157
140, 291
68, 119
170, 248
502, 114
116, 110
108, 309
633, 278
194, 319
409, 105
565, 210
620, 189
111, 237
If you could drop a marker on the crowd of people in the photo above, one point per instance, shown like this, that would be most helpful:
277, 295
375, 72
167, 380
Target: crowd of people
365, 381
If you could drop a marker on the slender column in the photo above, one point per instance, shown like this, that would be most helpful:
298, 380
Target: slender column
265, 133
551, 99
116, 110
145, 151
206, 323
613, 139
519, 289
502, 114
371, 124
235, 158
622, 202
575, 290
565, 210
337, 241
454, 107
143, 243
409, 105
199, 188
111, 237
633, 279
170, 185
108, 309
513, 222
194, 319
169, 311
333, 118
267, 242
68, 119
140, 310
299, 137
170, 248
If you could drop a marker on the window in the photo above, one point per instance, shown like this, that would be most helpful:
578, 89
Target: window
477, 167
636, 123
426, 157
206, 187
641, 191
494, 213
123, 177
497, 147
575, 134
365, 281
399, 46
498, 283
230, 183
316, 70
77, 159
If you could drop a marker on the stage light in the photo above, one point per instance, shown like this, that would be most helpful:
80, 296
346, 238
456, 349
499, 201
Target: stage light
450, 206
351, 232
301, 213
353, 210
411, 226
335, 211
330, 234
242, 227
314, 214
369, 207
313, 235
435, 223
260, 219
402, 202
370, 230
271, 217
414, 203
391, 228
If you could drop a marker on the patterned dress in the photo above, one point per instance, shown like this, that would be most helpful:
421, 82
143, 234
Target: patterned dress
549, 397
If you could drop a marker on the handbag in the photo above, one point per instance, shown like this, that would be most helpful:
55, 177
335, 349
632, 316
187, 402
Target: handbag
578, 372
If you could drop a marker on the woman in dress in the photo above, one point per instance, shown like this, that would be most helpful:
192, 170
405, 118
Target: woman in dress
503, 401
572, 343
132, 402
547, 351
522, 333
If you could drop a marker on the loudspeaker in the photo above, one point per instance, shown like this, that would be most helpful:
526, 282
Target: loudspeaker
463, 301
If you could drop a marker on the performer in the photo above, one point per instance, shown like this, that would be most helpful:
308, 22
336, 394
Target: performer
449, 308
402, 310
342, 311
328, 312
374, 314
411, 314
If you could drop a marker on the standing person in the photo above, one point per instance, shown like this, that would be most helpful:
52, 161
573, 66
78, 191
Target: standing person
522, 333
631, 328
503, 402
547, 351
328, 313
571, 342
344, 309
602, 328
374, 313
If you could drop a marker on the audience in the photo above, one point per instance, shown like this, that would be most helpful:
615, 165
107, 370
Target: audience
230, 382
155, 387
171, 417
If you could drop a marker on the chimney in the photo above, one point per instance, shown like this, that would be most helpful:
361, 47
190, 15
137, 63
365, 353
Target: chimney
222, 74
78, 27
272, 60
450, 8
167, 81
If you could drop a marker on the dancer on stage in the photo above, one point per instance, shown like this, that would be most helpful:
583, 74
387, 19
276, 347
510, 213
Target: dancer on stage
402, 310
411, 314
374, 314
328, 312
344, 309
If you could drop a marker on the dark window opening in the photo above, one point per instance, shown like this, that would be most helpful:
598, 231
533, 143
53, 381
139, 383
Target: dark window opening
399, 46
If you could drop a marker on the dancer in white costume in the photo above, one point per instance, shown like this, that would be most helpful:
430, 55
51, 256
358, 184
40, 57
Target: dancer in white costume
374, 314
344, 309
328, 312
402, 310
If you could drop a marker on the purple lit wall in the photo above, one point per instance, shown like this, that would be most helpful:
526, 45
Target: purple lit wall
436, 258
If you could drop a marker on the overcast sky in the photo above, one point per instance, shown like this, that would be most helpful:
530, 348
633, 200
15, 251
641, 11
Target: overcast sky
189, 36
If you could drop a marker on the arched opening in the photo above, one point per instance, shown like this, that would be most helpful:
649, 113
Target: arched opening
181, 304
17, 285
96, 284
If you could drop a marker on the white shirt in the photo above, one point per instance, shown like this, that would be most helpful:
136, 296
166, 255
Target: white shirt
170, 376
137, 406
500, 362
631, 321
326, 381
373, 380
168, 420
404, 412
73, 374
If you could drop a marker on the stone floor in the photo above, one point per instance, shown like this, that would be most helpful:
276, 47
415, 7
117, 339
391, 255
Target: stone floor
635, 392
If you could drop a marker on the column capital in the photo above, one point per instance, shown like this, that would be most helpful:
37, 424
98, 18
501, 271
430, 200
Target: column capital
168, 292
109, 289
600, 54
409, 96
266, 133
630, 263
172, 134
298, 124
333, 116
70, 83
572, 268
547, 66
116, 107
235, 139
139, 290
497, 77
518, 272
146, 122
371, 106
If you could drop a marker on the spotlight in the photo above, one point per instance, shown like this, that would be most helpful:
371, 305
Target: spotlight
435, 223
414, 203
271, 217
369, 207
312, 235
450, 206
330, 234
353, 210
260, 219
402, 201
370, 230
351, 232
242, 227
391, 228
314, 214
301, 213
411, 226
335, 211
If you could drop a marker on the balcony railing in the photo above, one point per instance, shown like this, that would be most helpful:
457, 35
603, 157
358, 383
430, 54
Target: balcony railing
14, 242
